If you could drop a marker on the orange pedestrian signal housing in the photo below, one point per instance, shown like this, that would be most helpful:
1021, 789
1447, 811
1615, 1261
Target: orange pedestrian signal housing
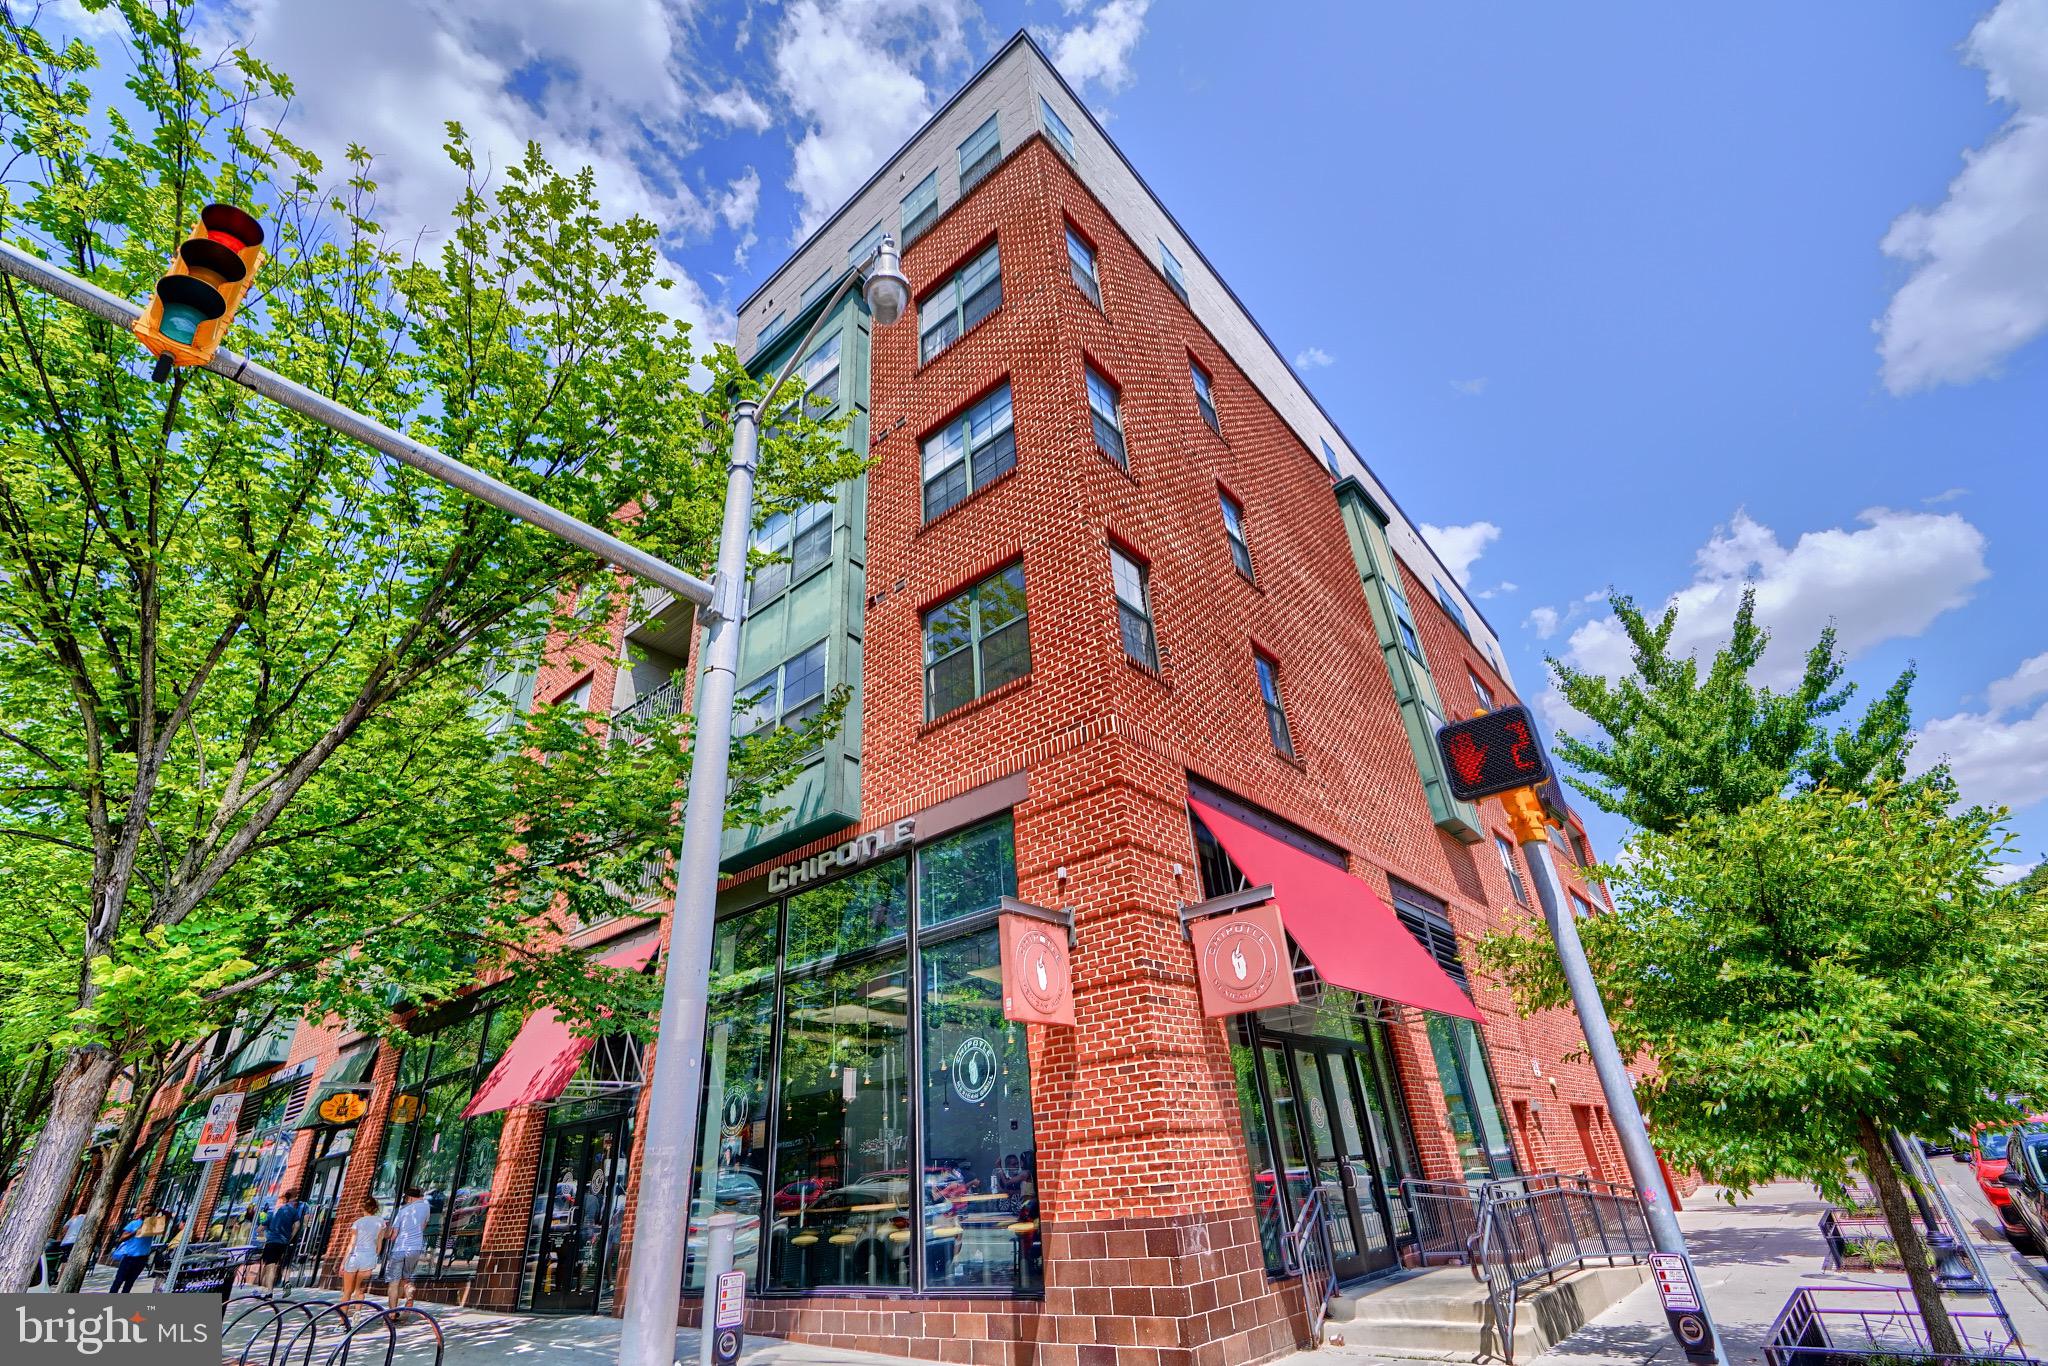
1491, 754
193, 305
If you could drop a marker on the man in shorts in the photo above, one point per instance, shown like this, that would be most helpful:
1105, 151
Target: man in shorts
280, 1238
408, 1246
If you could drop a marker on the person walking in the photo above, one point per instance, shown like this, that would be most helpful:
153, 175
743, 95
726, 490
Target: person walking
364, 1249
59, 1248
131, 1255
408, 1246
280, 1239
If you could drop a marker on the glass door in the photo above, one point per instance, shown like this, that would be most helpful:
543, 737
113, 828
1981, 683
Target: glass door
574, 1214
1346, 1171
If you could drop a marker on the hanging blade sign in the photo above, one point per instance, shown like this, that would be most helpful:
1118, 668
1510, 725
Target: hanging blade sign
1491, 754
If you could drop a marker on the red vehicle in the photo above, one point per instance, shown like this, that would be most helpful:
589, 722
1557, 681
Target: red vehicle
1988, 1151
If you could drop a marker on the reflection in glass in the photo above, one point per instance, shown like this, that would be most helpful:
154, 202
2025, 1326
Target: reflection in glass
843, 1213
844, 917
1272, 1215
1468, 1098
1315, 1119
733, 1128
980, 1165
968, 872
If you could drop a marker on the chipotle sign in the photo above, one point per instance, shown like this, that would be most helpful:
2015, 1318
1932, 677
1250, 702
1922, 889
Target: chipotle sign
1038, 976
1241, 961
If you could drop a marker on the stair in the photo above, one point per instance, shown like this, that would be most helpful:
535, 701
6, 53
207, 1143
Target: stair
1442, 1315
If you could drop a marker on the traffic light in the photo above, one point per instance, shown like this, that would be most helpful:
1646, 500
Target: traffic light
1491, 754
193, 304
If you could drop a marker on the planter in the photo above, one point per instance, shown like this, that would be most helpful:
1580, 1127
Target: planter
1848, 1325
1859, 1242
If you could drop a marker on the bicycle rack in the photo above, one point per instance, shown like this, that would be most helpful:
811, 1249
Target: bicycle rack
278, 1310
392, 1320
310, 1330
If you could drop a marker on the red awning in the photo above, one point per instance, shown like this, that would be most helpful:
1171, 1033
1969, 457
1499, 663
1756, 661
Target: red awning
1350, 935
544, 1055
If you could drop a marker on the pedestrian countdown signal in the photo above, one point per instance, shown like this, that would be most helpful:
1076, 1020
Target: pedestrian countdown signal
1491, 754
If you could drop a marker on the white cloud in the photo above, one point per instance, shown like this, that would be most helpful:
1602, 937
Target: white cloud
854, 71
600, 81
1470, 388
1313, 358
737, 108
1545, 621
741, 199
1460, 547
1886, 580
1099, 51
1945, 496
2021, 686
1979, 288
2004, 874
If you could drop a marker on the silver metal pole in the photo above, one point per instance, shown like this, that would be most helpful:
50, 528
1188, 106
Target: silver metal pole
185, 1232
34, 270
1607, 1061
718, 1236
654, 1281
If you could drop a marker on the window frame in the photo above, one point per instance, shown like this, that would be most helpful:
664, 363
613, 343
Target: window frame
976, 642
911, 226
777, 679
793, 568
954, 289
1095, 385
1481, 694
1089, 282
1055, 127
986, 160
869, 240
1449, 602
963, 423
1517, 880
1266, 670
1141, 612
1234, 534
1171, 268
1204, 385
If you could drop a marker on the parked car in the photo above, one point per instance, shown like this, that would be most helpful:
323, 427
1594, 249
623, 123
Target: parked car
802, 1194
1986, 1151
2026, 1181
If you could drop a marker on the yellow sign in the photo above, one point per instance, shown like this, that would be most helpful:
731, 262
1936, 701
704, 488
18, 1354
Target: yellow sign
343, 1107
405, 1109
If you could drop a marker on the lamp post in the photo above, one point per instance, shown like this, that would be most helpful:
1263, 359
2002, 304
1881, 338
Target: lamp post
654, 1281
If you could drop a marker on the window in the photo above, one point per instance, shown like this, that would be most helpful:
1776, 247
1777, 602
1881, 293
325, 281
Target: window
1581, 907
1404, 623
817, 287
820, 375
861, 250
1426, 920
976, 642
1170, 264
1233, 531
1056, 127
1450, 604
979, 155
1329, 455
920, 208
801, 541
789, 694
768, 331
1480, 691
971, 294
1205, 398
1276, 715
1102, 412
1134, 608
969, 453
578, 696
254, 1182
1512, 869
1081, 264
1470, 1102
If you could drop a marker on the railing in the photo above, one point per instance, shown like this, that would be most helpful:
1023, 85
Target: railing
1839, 1324
1446, 1222
660, 704
1306, 1253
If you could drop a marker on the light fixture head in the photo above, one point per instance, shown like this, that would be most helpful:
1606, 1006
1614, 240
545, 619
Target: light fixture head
888, 292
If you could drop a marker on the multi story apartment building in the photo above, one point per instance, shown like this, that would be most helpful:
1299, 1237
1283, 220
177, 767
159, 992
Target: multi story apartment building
1127, 626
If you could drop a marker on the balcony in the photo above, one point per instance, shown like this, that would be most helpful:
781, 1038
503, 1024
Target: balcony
659, 705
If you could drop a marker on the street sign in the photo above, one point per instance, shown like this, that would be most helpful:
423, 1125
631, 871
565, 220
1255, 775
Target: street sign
729, 1315
218, 1133
1492, 754
1682, 1308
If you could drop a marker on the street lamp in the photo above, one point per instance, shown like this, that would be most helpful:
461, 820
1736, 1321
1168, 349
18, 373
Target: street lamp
654, 1280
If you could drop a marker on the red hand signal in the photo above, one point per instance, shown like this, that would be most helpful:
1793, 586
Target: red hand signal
1468, 755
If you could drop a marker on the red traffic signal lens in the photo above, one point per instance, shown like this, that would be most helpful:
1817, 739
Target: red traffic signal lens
231, 227
207, 259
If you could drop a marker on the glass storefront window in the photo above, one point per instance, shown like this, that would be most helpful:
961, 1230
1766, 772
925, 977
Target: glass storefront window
1272, 1216
846, 917
427, 1142
177, 1183
980, 1175
968, 872
1469, 1099
845, 1132
732, 1131
255, 1174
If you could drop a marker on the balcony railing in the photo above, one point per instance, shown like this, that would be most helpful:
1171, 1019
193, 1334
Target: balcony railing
664, 702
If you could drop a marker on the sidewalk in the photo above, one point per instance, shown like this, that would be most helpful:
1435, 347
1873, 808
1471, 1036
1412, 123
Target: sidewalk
1750, 1258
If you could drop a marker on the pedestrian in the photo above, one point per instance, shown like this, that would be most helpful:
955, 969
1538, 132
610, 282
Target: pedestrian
280, 1237
364, 1250
131, 1255
59, 1248
408, 1245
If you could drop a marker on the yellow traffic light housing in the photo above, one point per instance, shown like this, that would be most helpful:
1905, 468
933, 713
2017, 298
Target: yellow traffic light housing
193, 305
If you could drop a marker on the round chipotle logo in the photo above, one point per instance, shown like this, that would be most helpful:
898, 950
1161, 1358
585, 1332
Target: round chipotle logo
974, 1069
1041, 979
1241, 961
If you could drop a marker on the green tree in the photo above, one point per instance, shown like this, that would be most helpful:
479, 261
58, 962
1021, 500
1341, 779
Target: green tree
240, 656
1811, 973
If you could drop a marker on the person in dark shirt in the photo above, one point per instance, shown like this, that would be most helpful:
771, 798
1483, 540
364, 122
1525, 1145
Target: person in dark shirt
280, 1236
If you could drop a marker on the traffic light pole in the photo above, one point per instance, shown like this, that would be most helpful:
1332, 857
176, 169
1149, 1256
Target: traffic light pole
1525, 815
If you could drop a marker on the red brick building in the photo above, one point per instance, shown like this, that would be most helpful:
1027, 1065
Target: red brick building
1118, 609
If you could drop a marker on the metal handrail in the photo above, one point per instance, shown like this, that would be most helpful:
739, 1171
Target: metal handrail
1307, 1254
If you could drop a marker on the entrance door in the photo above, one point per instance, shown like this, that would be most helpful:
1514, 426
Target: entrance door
323, 1197
578, 1192
1334, 1121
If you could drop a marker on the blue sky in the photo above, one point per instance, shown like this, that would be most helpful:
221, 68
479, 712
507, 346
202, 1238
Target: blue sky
1664, 299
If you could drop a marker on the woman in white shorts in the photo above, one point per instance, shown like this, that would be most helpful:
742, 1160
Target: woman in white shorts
365, 1248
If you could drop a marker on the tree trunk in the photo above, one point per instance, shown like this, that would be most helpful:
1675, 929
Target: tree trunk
39, 1190
1942, 1339
120, 1159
